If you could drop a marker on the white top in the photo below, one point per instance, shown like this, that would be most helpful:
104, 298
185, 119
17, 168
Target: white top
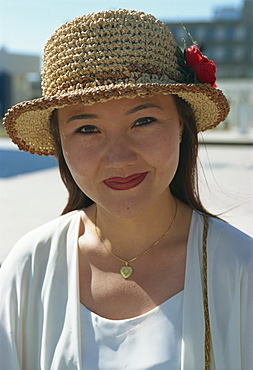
149, 341
40, 318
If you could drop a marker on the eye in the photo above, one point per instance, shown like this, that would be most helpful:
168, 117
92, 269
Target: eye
88, 129
144, 121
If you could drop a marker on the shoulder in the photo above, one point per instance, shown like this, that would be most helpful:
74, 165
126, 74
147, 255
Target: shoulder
222, 232
37, 245
49, 231
228, 244
224, 241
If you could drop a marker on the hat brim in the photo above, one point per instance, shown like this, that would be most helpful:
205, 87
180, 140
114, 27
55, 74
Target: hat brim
28, 123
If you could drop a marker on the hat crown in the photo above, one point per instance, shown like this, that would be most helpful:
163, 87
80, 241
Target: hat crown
110, 47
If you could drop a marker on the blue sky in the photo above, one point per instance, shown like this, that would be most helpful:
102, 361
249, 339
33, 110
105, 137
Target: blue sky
25, 25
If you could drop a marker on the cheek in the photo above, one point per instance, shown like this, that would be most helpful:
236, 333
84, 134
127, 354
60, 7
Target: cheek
165, 151
79, 158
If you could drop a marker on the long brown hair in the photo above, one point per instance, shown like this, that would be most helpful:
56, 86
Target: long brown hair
184, 185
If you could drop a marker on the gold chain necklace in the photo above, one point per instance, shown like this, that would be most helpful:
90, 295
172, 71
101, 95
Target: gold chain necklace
126, 271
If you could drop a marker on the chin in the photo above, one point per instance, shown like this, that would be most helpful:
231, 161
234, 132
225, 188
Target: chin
128, 209
124, 211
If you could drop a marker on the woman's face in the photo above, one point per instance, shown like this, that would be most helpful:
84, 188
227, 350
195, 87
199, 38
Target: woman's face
123, 154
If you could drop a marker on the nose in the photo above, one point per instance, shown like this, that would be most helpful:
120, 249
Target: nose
119, 153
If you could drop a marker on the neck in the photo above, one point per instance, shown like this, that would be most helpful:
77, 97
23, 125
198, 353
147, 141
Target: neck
130, 237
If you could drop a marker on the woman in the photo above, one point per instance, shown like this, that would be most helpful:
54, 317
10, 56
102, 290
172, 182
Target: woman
136, 274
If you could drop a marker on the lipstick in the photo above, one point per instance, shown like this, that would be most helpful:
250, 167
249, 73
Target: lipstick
125, 183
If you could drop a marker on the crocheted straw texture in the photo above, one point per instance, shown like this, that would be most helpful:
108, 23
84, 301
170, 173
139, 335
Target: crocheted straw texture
111, 54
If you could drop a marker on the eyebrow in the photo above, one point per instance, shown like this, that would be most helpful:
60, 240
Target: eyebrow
130, 111
83, 116
142, 106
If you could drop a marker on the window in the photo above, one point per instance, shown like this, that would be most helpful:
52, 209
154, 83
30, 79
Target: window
238, 53
220, 33
217, 53
240, 32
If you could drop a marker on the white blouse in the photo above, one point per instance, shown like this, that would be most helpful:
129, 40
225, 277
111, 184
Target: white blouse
149, 341
41, 317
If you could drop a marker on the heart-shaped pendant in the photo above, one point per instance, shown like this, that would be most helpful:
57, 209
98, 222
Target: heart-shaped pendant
126, 271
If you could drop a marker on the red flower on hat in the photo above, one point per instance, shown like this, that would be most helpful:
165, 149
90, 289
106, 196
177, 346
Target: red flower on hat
204, 68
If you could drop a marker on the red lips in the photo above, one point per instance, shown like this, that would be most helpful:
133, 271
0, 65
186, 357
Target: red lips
125, 183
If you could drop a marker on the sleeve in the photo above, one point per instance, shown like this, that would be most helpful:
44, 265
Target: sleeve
20, 291
230, 254
39, 298
10, 321
247, 312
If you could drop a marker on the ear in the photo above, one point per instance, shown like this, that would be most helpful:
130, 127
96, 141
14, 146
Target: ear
181, 130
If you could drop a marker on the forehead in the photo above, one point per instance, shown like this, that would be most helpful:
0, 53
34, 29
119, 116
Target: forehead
123, 105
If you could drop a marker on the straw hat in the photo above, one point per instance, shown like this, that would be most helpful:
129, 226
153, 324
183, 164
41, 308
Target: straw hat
110, 54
